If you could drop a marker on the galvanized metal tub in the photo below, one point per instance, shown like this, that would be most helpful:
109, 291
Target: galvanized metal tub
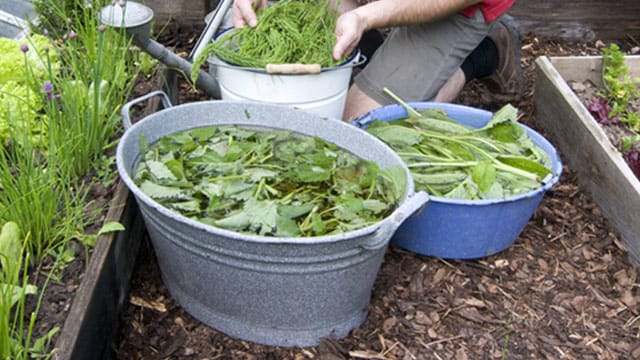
274, 291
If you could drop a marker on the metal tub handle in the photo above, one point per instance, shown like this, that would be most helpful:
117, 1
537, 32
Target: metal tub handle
126, 108
382, 236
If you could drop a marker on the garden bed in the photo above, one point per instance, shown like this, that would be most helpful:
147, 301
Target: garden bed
584, 143
92, 322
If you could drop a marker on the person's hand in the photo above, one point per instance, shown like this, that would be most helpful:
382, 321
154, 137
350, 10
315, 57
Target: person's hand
348, 32
243, 12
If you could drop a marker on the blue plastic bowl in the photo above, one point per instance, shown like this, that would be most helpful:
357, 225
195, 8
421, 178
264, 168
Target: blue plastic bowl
466, 229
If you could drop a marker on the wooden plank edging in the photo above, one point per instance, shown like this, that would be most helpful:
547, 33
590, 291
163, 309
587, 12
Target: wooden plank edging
587, 149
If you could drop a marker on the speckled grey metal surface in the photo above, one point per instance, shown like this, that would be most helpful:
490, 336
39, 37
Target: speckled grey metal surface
274, 291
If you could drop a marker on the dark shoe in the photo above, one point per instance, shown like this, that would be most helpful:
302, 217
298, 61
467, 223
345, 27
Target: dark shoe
508, 79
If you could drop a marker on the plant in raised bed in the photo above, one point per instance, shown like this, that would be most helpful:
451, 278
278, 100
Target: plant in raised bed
612, 105
60, 90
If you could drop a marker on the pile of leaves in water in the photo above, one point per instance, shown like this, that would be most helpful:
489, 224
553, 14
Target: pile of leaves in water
272, 183
451, 160
292, 31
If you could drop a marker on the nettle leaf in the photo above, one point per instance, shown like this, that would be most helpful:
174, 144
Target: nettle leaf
318, 226
263, 215
256, 174
286, 227
348, 207
143, 143
190, 206
272, 183
161, 192
308, 173
160, 171
376, 206
236, 221
210, 190
294, 211
238, 189
202, 133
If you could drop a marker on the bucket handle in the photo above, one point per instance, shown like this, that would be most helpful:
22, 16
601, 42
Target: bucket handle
384, 233
126, 108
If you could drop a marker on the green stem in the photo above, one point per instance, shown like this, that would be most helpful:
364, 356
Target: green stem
412, 112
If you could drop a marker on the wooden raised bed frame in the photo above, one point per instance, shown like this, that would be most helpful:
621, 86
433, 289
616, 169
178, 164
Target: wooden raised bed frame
91, 327
585, 146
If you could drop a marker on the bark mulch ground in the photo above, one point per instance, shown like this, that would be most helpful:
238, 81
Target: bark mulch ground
564, 290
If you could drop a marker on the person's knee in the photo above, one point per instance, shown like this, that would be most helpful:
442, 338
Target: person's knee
357, 103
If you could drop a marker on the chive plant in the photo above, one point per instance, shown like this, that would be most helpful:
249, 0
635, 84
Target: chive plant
96, 81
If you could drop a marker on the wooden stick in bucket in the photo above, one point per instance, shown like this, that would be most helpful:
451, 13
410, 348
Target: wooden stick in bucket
293, 68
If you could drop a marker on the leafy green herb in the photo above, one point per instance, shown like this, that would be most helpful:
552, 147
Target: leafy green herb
293, 31
451, 160
619, 87
272, 183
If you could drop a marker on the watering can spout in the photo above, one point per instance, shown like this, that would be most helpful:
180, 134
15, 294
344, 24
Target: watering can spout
135, 19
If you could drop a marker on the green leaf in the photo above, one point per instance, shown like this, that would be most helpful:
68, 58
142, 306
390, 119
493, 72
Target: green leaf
506, 132
263, 215
294, 211
189, 206
376, 206
256, 174
395, 185
309, 173
287, 227
17, 292
111, 226
495, 191
436, 120
318, 226
10, 245
484, 175
526, 165
507, 114
237, 221
160, 192
395, 135
160, 171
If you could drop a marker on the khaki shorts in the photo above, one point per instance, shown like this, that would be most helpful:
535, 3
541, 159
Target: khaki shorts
415, 61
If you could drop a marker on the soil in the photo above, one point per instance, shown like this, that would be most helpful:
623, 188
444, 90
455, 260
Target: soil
564, 289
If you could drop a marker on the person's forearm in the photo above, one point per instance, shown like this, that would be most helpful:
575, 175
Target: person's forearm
387, 13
